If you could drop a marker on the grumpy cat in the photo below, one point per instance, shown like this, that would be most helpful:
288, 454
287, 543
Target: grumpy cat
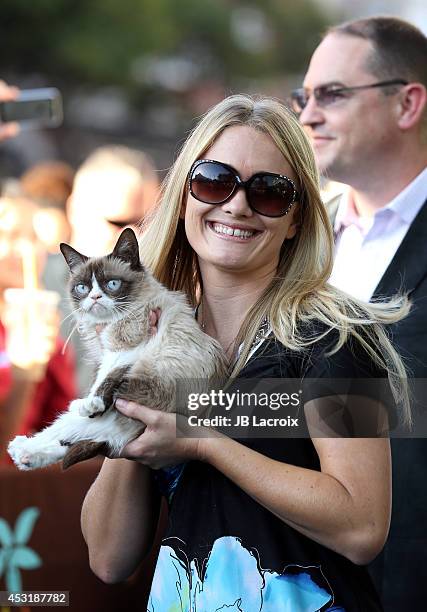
113, 297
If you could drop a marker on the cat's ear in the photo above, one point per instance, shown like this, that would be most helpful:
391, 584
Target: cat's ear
72, 257
127, 249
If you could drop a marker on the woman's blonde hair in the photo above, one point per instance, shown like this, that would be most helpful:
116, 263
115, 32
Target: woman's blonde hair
299, 294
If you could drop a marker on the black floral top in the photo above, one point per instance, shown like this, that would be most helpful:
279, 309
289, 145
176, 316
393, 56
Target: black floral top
224, 551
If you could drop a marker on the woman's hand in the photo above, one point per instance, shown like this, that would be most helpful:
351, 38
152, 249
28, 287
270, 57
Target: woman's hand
153, 320
159, 446
8, 94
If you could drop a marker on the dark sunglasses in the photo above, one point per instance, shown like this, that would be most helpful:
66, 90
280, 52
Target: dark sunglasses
326, 95
268, 194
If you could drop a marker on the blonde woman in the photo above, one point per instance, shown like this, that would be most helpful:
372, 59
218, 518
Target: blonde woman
255, 524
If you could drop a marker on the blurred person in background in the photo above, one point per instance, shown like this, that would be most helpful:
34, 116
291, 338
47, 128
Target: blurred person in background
50, 184
8, 93
368, 126
31, 395
115, 187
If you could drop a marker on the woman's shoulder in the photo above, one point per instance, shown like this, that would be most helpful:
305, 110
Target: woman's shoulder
349, 357
324, 354
274, 358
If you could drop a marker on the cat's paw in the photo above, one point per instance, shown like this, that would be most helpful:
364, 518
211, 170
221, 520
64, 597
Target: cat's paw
74, 406
16, 450
27, 456
91, 406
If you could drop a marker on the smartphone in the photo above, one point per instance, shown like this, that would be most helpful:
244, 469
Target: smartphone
34, 108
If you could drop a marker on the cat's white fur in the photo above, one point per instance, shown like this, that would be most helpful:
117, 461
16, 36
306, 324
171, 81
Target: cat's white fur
179, 350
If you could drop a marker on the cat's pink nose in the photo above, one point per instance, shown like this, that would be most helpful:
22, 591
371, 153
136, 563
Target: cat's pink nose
96, 297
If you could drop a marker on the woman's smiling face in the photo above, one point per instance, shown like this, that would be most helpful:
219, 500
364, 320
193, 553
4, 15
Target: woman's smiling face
248, 151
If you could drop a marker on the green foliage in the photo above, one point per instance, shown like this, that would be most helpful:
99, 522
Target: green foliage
97, 41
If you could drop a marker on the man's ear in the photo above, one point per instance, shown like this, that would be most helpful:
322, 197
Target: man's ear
412, 104
127, 249
72, 257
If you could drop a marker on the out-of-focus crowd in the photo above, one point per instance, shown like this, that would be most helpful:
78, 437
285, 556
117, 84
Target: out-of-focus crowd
43, 365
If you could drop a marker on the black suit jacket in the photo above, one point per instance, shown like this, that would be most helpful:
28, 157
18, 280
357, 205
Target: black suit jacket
400, 571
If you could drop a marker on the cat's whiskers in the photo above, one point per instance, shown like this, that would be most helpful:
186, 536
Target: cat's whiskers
121, 308
75, 313
69, 337
122, 302
71, 314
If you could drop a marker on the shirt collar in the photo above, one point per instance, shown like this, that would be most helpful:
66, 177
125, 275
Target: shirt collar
406, 205
408, 202
347, 214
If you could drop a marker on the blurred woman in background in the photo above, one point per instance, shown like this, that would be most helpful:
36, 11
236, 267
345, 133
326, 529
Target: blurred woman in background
38, 382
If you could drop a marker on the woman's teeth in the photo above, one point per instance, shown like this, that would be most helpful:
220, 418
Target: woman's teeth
229, 231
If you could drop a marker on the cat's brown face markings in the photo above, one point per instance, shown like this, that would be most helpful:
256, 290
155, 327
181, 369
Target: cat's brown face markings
106, 270
106, 286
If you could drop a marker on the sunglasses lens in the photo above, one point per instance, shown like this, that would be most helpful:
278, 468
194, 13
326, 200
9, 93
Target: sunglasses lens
212, 183
271, 195
299, 100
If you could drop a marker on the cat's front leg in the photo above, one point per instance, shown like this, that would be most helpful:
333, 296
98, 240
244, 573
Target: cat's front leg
35, 452
90, 406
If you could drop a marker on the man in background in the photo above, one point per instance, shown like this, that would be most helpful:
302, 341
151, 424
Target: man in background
115, 187
364, 106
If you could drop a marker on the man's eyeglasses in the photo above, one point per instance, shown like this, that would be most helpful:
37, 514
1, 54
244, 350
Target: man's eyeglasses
268, 194
328, 94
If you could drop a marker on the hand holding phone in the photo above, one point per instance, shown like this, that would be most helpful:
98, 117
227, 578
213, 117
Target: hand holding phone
8, 94
33, 108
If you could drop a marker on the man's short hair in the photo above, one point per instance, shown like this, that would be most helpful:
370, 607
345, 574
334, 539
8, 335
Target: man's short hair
119, 156
49, 183
400, 49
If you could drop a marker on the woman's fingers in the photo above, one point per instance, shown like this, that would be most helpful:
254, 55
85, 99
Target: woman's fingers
159, 445
9, 130
137, 411
132, 450
8, 92
136, 449
153, 320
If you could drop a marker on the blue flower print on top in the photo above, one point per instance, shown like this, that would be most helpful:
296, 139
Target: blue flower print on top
231, 580
14, 552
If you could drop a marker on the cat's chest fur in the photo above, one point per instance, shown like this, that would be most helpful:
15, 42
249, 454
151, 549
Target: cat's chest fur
124, 342
127, 333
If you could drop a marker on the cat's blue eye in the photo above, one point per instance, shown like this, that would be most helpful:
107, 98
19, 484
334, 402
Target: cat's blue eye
114, 284
82, 289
